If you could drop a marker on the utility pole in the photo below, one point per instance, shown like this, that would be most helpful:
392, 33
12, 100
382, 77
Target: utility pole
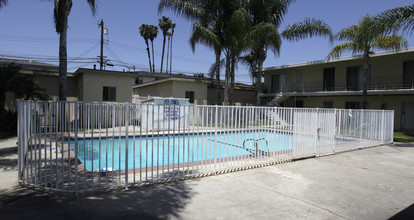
101, 25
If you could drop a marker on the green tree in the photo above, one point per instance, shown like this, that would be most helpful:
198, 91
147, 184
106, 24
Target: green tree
144, 31
207, 14
398, 18
3, 3
368, 34
20, 85
267, 16
153, 33
171, 46
169, 35
61, 13
235, 30
165, 25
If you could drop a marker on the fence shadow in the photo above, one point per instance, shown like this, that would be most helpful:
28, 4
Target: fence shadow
8, 164
158, 201
8, 158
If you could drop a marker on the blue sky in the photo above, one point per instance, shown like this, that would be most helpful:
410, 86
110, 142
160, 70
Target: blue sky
27, 31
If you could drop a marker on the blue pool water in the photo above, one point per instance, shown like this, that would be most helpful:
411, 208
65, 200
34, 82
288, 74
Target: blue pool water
163, 150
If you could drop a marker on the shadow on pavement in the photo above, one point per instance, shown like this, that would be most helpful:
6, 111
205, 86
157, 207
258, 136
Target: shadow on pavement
407, 213
8, 158
145, 202
400, 144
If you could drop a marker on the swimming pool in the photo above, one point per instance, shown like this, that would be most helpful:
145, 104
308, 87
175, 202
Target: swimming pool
150, 151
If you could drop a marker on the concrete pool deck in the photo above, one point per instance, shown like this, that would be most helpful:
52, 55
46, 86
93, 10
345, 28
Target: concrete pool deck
373, 183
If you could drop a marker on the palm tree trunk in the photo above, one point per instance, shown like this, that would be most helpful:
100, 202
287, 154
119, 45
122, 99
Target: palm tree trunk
149, 57
171, 51
259, 83
153, 62
365, 80
232, 67
227, 82
168, 52
218, 53
63, 61
162, 55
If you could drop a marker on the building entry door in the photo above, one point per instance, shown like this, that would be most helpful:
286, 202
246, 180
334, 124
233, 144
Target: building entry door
407, 116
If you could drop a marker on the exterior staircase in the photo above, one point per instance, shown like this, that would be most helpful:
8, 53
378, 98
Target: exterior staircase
279, 98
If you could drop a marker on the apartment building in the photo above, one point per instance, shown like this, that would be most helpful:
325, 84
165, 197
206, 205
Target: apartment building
338, 84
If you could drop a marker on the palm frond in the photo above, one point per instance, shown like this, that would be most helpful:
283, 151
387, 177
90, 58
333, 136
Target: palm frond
393, 42
308, 28
93, 5
339, 49
264, 35
3, 3
348, 33
215, 67
398, 18
185, 8
250, 61
204, 36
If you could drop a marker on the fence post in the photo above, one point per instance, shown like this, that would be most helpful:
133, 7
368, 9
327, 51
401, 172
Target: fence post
382, 127
360, 124
76, 149
215, 140
316, 132
19, 137
126, 143
392, 127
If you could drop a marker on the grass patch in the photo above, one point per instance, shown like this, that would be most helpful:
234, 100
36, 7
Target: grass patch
406, 137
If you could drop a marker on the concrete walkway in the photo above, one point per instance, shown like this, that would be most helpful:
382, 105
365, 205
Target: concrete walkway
374, 183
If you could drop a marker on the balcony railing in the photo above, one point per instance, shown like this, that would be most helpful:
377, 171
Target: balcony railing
349, 86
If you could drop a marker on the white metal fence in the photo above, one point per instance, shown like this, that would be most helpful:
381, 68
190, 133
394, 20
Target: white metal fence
81, 146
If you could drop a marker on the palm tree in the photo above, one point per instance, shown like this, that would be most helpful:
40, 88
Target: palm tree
21, 85
267, 16
208, 15
235, 30
172, 34
61, 13
165, 25
368, 34
144, 32
169, 34
153, 33
398, 18
3, 3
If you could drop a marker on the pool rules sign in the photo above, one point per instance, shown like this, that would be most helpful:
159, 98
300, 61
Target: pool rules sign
171, 109
165, 114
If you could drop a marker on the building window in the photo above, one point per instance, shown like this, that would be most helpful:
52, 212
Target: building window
189, 95
408, 76
275, 84
299, 104
328, 104
352, 105
139, 80
354, 78
299, 85
109, 93
329, 79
